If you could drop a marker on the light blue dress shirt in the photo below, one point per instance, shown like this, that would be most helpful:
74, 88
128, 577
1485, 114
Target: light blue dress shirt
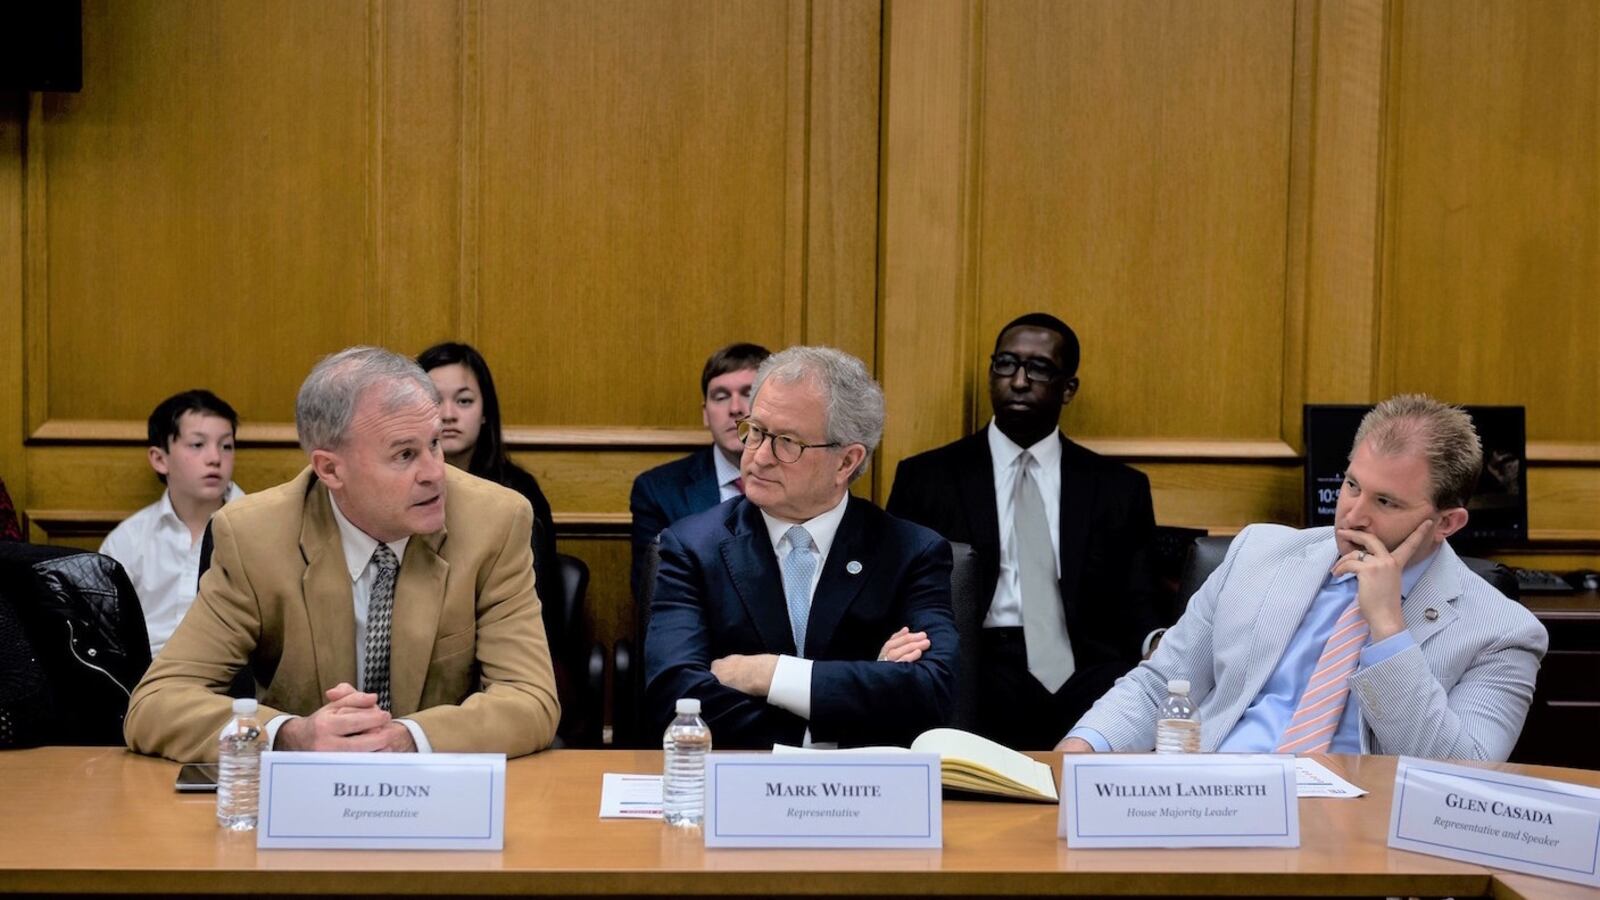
1261, 727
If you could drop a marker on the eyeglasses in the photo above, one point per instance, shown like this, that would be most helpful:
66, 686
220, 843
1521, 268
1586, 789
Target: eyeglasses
786, 449
1006, 365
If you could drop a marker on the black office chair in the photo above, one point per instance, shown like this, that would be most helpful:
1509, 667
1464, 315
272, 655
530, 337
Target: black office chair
1208, 552
628, 727
969, 611
583, 665
73, 646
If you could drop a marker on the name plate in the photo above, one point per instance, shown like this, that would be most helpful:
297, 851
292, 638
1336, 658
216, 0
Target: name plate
383, 801
868, 800
1149, 800
1495, 819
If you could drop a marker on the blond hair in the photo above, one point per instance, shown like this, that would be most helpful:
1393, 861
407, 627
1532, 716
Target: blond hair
1443, 434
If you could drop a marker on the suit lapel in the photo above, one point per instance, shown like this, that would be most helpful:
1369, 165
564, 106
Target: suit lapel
1288, 596
1435, 591
326, 592
753, 569
1077, 500
838, 587
419, 594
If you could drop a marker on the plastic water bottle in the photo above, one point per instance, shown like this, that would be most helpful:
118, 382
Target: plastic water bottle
1178, 729
683, 781
239, 768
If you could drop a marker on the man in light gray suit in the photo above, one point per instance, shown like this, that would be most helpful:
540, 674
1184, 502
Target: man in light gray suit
1368, 637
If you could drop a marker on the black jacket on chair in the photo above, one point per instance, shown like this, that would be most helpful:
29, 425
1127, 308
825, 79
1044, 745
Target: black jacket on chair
82, 648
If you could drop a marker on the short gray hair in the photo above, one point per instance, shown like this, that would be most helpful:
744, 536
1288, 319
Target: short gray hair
328, 396
1442, 434
852, 401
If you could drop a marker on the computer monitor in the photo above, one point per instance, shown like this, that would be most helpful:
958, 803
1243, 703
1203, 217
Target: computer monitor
1498, 508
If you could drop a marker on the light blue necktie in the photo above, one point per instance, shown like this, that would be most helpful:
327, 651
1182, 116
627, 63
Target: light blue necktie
799, 564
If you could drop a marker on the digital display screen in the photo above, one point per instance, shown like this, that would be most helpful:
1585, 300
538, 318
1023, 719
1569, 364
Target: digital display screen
1498, 510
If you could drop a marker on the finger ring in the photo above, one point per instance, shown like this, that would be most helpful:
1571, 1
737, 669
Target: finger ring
1361, 555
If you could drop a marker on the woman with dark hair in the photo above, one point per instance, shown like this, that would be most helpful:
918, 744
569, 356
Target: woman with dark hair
472, 440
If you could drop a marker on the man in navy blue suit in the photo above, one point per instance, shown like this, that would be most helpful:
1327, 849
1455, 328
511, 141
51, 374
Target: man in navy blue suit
708, 476
773, 608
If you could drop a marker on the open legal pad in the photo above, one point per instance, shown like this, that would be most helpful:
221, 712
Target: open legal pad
971, 763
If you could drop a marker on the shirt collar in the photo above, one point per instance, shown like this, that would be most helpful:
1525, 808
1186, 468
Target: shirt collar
166, 511
822, 528
1004, 451
358, 545
726, 471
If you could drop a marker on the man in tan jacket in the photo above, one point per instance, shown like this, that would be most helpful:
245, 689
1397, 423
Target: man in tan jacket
373, 616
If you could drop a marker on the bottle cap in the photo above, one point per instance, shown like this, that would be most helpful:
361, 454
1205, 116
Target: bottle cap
689, 706
1178, 686
244, 706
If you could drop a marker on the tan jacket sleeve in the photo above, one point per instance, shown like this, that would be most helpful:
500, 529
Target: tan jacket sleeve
180, 705
516, 711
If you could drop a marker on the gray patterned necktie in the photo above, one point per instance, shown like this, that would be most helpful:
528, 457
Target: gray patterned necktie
380, 611
1044, 621
799, 564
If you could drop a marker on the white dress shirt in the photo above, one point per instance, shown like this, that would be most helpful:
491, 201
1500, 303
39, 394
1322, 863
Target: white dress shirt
163, 562
727, 473
358, 547
791, 680
1005, 611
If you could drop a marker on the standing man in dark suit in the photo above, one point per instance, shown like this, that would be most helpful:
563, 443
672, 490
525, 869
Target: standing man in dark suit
771, 608
708, 476
1062, 535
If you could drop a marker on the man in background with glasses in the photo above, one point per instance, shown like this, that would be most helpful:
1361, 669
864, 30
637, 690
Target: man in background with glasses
773, 608
1063, 538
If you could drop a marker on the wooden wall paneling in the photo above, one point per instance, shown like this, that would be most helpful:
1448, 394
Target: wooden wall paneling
1493, 233
13, 124
633, 201
1343, 169
1222, 497
1134, 180
469, 167
841, 238
215, 235
1564, 503
34, 298
417, 247
931, 116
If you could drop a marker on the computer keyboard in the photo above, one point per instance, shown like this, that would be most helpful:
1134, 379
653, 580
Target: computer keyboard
1538, 581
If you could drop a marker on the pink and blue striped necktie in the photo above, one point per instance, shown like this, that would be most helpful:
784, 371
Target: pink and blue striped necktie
1322, 702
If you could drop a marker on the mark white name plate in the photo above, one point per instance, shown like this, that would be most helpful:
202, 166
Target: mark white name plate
383, 801
1495, 819
1199, 800
867, 800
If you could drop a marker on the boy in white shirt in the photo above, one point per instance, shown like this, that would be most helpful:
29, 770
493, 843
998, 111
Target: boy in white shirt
191, 449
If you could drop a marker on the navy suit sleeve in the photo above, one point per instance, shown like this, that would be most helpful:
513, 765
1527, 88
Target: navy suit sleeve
677, 654
869, 702
648, 519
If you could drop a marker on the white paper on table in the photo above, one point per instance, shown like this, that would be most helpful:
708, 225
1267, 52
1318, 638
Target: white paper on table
1313, 779
625, 796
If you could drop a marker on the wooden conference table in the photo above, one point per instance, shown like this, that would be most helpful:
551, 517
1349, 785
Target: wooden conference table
103, 821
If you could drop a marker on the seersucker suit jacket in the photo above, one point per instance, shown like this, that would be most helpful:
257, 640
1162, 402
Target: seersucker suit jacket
1461, 693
